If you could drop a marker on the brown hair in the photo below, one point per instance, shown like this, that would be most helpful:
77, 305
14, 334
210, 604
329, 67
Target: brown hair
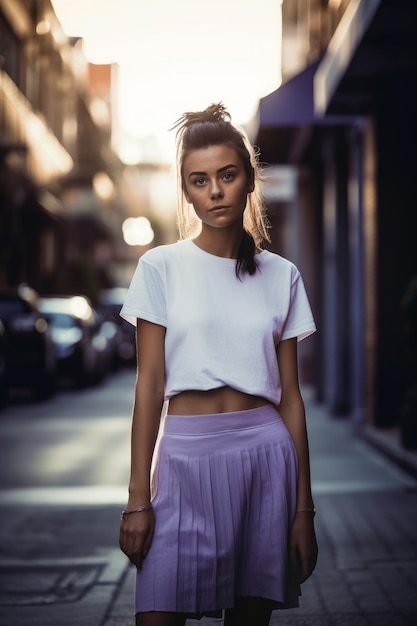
210, 127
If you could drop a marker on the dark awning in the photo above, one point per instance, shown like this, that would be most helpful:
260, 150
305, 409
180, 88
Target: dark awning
292, 104
374, 48
287, 120
342, 49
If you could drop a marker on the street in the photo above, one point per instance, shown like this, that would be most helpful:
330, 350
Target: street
63, 481
76, 442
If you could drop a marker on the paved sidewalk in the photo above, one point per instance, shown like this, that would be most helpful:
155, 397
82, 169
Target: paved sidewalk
56, 566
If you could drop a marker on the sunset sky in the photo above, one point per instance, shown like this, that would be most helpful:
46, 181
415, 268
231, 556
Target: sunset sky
176, 56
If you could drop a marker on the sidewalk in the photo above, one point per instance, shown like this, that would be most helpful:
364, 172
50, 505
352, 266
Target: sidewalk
56, 566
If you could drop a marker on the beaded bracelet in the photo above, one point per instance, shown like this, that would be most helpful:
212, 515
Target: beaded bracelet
125, 512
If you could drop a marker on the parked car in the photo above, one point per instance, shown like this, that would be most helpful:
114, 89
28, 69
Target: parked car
110, 302
27, 356
81, 348
113, 336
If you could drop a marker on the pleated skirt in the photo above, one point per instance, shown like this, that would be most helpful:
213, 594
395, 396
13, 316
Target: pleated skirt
224, 496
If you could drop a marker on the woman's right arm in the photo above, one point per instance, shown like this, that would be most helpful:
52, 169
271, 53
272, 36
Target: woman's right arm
136, 530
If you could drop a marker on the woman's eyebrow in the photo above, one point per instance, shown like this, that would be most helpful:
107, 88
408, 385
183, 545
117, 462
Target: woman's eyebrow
219, 171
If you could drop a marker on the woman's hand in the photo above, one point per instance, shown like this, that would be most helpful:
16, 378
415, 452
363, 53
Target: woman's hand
303, 549
136, 534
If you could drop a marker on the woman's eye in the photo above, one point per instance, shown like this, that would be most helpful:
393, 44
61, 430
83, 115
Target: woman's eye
199, 182
228, 176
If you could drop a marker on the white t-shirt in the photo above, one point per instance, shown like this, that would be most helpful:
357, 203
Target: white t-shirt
220, 330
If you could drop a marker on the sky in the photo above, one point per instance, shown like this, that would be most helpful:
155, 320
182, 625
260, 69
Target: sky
179, 55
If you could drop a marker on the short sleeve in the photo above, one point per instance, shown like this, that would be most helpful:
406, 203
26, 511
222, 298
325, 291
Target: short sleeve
145, 298
299, 321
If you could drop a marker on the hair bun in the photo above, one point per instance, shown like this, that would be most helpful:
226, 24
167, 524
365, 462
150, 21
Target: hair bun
216, 112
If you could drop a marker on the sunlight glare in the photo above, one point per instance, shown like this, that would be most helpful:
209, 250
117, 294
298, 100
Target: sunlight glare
180, 56
137, 231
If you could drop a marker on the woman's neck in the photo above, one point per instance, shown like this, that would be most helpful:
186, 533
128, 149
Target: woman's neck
220, 242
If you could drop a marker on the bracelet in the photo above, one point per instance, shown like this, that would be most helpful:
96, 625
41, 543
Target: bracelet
125, 512
313, 511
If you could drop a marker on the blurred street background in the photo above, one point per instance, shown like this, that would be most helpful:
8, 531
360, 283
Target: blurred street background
88, 91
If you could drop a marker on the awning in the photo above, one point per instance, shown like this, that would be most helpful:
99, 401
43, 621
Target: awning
292, 104
287, 120
341, 49
374, 48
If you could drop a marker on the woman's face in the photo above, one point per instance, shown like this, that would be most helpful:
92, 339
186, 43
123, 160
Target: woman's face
216, 184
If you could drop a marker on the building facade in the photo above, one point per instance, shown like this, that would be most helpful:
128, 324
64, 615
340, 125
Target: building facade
344, 120
55, 227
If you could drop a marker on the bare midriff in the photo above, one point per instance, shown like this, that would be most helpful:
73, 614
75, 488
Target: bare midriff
221, 400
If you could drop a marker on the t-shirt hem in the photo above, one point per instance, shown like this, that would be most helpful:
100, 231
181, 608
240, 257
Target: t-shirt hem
271, 396
131, 315
300, 333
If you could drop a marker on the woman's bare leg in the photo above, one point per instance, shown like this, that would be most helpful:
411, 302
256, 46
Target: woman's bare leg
159, 618
249, 612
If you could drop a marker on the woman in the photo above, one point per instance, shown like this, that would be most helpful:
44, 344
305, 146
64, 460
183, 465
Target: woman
225, 519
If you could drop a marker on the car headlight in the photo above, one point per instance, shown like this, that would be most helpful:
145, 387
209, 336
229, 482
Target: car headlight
41, 325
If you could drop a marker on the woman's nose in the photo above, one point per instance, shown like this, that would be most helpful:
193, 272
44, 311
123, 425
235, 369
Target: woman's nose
216, 191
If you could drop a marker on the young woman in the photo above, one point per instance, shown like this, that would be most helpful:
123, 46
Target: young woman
224, 521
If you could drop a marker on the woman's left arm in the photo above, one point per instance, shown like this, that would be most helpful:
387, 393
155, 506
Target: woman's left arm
303, 544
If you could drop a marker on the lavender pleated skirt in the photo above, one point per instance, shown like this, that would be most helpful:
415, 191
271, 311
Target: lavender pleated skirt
224, 496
